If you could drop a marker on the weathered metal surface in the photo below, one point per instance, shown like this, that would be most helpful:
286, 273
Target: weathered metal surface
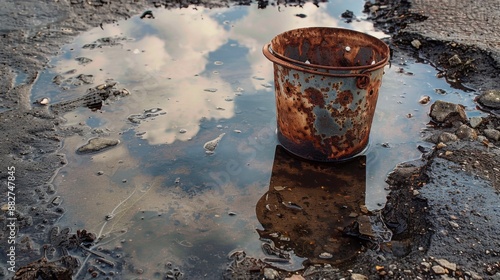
326, 82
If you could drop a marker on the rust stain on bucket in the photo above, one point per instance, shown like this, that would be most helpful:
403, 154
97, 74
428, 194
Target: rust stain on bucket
326, 83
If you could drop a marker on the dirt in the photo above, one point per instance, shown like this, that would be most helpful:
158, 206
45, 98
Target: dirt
443, 209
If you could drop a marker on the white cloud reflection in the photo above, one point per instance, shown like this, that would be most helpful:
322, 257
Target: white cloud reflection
165, 61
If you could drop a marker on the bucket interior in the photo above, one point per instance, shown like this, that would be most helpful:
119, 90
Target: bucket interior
330, 47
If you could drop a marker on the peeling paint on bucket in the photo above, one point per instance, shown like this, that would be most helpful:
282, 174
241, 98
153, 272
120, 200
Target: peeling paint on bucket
326, 85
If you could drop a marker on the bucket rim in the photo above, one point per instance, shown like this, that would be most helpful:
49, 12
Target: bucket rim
370, 67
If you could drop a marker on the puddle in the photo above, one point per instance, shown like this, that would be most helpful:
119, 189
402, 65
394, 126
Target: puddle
184, 186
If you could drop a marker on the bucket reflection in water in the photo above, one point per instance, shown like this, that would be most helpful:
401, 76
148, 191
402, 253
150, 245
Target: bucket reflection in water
326, 85
308, 206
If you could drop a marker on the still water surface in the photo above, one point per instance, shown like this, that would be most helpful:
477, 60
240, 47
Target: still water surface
161, 198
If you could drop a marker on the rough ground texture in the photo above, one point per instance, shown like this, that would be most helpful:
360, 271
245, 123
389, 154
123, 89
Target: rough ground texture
473, 23
443, 209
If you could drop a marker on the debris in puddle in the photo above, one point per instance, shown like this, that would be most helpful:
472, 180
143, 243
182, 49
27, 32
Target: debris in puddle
97, 144
218, 62
42, 101
83, 60
301, 15
440, 91
237, 131
211, 145
210, 89
93, 99
258, 78
424, 99
147, 14
371, 228
147, 114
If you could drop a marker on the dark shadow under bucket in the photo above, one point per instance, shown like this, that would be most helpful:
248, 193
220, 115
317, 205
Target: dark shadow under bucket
326, 85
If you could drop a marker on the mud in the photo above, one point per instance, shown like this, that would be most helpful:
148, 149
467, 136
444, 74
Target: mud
443, 208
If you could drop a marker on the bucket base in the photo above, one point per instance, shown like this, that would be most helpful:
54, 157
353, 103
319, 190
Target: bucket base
309, 153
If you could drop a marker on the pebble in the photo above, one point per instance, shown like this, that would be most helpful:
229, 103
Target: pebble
446, 112
447, 137
446, 264
100, 172
475, 121
325, 255
490, 99
356, 276
270, 273
466, 132
425, 99
438, 270
453, 224
97, 144
492, 134
416, 44
212, 144
440, 145
454, 60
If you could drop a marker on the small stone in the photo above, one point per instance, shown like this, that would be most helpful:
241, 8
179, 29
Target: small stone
446, 113
446, 264
474, 275
440, 145
56, 201
453, 224
492, 134
356, 276
490, 99
438, 270
454, 61
353, 215
466, 132
363, 209
44, 101
448, 153
325, 255
425, 99
447, 137
97, 144
475, 121
416, 192
270, 273
416, 44
100, 173
425, 265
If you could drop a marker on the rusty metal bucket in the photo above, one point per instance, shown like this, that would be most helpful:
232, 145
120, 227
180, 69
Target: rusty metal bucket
326, 86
